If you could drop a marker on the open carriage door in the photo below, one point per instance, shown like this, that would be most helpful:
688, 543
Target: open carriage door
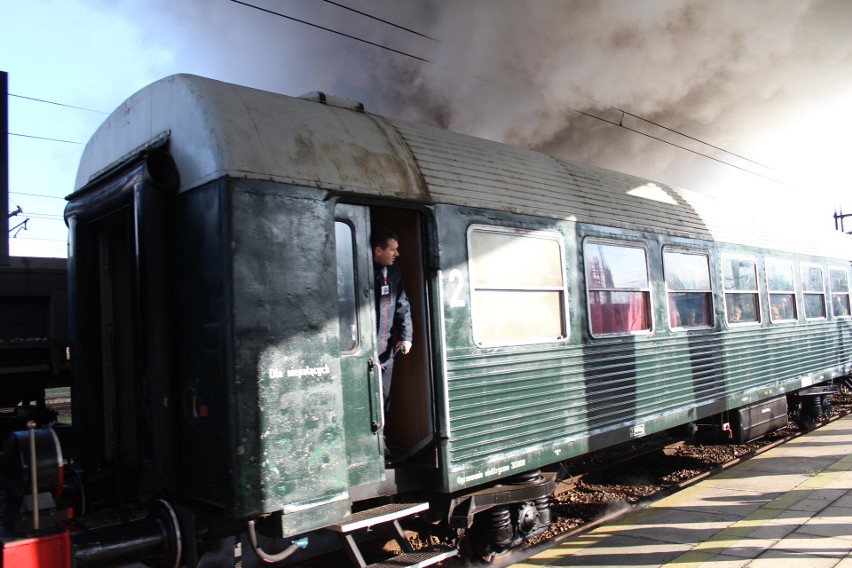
363, 413
410, 418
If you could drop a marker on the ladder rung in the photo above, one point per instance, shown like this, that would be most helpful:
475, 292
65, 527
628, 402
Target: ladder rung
379, 515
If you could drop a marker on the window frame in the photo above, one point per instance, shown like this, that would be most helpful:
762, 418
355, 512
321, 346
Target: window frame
550, 235
754, 292
811, 265
709, 292
848, 293
646, 292
793, 292
356, 343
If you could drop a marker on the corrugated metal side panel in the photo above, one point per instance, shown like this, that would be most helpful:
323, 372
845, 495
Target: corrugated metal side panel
507, 403
468, 171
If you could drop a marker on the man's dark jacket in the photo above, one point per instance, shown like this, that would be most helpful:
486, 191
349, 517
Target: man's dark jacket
393, 312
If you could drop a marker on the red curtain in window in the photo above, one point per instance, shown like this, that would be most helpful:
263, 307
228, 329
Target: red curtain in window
617, 312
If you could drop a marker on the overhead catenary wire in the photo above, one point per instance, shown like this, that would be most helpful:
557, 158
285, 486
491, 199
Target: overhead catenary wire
46, 216
578, 111
37, 215
372, 17
45, 101
691, 138
29, 238
424, 60
622, 111
12, 201
46, 138
619, 124
35, 195
319, 27
56, 103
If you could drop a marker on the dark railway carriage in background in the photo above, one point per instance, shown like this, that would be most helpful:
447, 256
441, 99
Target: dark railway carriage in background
33, 338
223, 329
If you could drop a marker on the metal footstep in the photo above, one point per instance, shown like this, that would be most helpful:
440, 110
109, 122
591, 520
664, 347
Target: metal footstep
383, 515
421, 558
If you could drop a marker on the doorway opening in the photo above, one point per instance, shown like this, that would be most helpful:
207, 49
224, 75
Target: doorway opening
409, 423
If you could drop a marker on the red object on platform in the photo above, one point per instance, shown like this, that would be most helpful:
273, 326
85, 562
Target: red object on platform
51, 551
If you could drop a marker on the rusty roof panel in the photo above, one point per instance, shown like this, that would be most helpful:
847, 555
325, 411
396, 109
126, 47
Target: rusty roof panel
218, 129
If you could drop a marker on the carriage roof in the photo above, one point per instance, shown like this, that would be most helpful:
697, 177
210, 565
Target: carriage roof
218, 129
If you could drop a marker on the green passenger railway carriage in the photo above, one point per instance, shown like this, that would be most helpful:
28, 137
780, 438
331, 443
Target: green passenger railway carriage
224, 357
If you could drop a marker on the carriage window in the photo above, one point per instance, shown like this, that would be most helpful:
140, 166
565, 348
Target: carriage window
782, 291
346, 300
518, 286
813, 290
688, 287
619, 289
839, 280
742, 300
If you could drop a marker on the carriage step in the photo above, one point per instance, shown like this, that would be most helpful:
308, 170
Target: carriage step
389, 516
378, 516
420, 559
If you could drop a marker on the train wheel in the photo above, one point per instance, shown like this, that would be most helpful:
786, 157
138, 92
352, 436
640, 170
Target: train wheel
490, 538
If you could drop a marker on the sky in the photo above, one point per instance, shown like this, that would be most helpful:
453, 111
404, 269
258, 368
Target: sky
748, 101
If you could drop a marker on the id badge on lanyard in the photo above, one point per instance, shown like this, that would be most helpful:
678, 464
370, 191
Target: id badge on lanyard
385, 289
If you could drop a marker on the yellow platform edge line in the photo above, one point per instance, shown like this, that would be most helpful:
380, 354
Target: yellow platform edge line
740, 530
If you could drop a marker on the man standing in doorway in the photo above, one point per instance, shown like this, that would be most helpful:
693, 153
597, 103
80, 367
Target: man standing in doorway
393, 312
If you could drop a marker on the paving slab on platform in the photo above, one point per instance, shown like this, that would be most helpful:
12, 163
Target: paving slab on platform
788, 507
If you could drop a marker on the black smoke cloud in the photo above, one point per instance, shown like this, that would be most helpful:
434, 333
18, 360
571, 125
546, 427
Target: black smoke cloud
530, 72
726, 72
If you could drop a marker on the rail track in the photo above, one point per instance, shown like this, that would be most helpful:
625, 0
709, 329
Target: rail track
60, 401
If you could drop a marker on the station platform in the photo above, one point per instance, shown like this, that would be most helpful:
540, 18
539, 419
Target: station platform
788, 507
